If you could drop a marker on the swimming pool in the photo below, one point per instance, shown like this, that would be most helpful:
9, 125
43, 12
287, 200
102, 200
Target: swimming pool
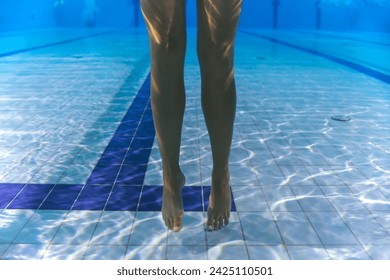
80, 172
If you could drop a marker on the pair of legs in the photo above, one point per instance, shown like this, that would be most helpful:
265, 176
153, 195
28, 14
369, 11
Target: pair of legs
217, 25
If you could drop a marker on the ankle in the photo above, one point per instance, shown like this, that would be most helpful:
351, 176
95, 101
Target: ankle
220, 172
172, 172
221, 178
173, 180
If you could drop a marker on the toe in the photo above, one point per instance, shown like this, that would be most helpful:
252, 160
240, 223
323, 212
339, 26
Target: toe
177, 224
210, 220
226, 220
170, 223
210, 224
166, 221
220, 222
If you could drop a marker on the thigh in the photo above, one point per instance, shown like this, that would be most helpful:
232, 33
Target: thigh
217, 21
165, 19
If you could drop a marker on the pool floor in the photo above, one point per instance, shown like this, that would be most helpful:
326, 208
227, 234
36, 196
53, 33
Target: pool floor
80, 171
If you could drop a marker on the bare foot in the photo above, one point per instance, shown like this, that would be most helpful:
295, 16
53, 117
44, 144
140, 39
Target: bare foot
218, 213
172, 205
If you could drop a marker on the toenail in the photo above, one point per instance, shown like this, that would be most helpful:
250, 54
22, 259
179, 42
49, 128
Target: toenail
176, 228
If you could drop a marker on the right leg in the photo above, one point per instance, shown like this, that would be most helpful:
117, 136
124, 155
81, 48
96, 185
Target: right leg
217, 25
165, 20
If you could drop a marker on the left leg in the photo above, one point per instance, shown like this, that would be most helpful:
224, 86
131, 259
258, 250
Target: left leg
165, 20
217, 25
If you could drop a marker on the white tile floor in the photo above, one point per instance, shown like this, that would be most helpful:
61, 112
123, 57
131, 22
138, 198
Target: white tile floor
305, 186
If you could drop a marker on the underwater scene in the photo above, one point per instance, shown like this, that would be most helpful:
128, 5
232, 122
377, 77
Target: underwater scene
81, 174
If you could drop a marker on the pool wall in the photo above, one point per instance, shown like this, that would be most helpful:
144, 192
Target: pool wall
362, 15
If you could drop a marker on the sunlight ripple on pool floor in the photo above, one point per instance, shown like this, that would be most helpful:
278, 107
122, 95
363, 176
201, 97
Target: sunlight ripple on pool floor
80, 172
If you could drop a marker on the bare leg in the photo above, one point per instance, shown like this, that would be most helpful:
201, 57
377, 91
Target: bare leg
165, 20
217, 25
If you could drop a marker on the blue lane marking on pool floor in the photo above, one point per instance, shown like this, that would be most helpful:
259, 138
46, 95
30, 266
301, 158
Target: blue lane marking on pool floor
344, 38
357, 67
10, 53
116, 183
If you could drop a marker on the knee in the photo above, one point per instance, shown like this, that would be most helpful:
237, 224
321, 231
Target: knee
218, 54
168, 53
169, 43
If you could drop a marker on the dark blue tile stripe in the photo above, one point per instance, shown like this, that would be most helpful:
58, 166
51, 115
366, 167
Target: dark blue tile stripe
344, 39
62, 197
8, 192
357, 67
98, 197
125, 159
31, 197
116, 183
10, 53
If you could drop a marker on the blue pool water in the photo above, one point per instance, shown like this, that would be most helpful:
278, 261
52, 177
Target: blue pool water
80, 171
